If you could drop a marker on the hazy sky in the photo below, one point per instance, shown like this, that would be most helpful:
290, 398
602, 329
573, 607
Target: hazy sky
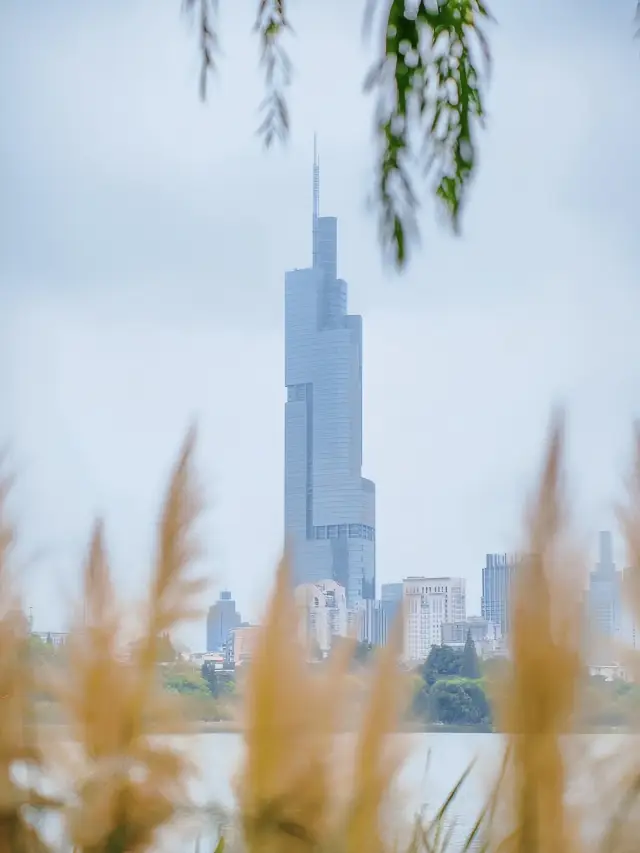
143, 243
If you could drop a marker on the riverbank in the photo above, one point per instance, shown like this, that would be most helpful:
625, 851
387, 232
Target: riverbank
232, 727
54, 722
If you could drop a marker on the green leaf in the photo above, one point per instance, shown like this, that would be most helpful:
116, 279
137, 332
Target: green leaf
207, 13
436, 97
272, 25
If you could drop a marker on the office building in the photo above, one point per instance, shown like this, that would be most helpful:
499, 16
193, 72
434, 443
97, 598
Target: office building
604, 604
322, 611
329, 505
428, 603
221, 619
497, 579
372, 625
241, 644
391, 601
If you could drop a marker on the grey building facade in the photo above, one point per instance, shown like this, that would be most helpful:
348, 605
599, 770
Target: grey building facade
605, 599
221, 619
372, 623
391, 601
329, 505
497, 579
455, 633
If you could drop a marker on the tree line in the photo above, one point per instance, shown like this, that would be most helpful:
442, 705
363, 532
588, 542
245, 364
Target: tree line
450, 688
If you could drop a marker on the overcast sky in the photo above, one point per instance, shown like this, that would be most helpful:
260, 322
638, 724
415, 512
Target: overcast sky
143, 243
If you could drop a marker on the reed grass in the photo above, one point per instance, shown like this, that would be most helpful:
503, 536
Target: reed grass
299, 789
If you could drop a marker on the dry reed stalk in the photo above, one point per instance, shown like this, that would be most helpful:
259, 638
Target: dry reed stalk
290, 719
623, 828
128, 785
377, 761
537, 706
287, 791
18, 743
629, 520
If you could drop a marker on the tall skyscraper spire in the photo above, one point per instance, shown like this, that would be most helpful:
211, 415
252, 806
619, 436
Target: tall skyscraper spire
329, 506
316, 200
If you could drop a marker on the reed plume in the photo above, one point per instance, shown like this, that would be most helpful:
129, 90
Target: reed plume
128, 785
376, 761
18, 736
537, 705
283, 788
629, 520
623, 793
294, 712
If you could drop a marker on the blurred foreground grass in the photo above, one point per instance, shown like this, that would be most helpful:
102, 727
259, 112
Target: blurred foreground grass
124, 786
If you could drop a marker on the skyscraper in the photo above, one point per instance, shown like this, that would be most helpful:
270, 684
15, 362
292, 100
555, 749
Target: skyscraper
222, 618
329, 505
605, 602
497, 578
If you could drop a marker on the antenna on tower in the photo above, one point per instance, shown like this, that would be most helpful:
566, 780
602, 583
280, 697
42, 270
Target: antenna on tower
316, 199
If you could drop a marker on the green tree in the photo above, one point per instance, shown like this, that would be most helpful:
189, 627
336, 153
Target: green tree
186, 682
469, 667
442, 660
208, 673
459, 703
481, 709
42, 651
449, 704
427, 85
495, 668
421, 705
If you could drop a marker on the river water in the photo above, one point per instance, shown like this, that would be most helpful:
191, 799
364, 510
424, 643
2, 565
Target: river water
433, 765
434, 762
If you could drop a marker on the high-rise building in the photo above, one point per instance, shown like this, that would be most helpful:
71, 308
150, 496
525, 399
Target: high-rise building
391, 601
329, 505
221, 619
428, 604
372, 625
497, 579
605, 603
322, 611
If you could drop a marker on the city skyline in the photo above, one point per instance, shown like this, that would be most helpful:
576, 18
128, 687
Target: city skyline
144, 241
329, 507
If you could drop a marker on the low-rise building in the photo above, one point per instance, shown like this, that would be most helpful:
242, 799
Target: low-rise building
52, 638
241, 644
481, 630
217, 659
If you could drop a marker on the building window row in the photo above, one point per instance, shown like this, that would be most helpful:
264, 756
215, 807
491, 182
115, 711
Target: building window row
342, 531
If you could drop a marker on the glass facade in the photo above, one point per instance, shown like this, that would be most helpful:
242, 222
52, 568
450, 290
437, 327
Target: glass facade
497, 578
221, 619
605, 593
329, 505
